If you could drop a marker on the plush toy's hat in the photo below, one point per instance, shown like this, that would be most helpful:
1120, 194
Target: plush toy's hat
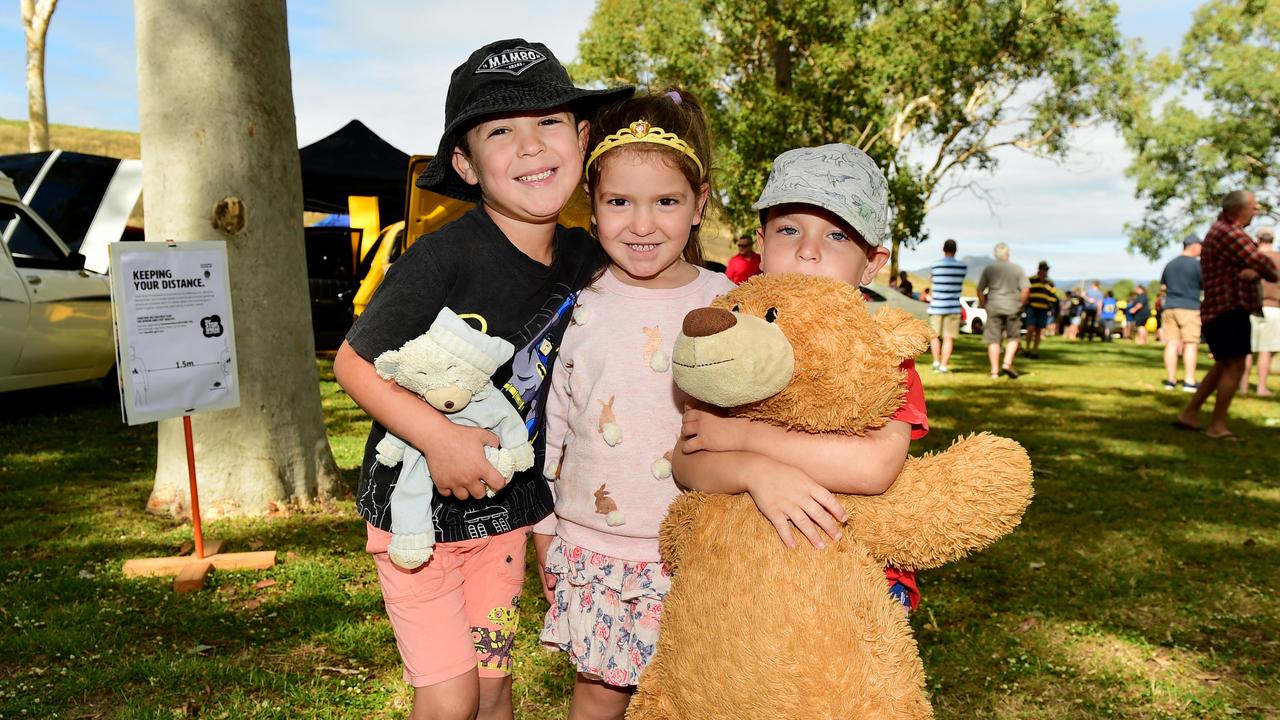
468, 344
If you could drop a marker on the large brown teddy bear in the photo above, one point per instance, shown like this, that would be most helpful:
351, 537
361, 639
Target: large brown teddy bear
754, 630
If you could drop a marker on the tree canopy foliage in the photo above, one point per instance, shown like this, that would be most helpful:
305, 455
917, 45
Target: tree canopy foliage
931, 90
1210, 124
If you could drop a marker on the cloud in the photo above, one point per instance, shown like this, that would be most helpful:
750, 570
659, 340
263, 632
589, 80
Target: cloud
389, 63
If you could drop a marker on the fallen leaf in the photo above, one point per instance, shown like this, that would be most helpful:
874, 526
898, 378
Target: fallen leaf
252, 603
85, 574
1027, 624
1035, 565
263, 584
202, 648
1207, 677
291, 555
339, 670
1250, 542
186, 548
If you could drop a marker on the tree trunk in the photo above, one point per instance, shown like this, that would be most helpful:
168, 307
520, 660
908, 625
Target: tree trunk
35, 24
220, 161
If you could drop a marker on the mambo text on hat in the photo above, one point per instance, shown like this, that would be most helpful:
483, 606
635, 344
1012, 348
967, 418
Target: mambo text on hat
513, 61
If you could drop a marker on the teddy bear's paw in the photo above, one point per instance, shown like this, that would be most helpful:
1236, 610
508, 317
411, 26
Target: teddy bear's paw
615, 518
661, 468
581, 315
521, 456
411, 550
659, 361
389, 453
612, 434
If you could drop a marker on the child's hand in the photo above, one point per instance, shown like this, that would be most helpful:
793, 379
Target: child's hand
706, 429
458, 465
788, 497
540, 545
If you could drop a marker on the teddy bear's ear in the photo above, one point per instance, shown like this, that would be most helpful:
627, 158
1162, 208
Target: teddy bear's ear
907, 336
388, 364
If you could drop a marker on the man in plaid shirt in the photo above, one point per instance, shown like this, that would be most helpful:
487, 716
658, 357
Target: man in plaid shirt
1232, 265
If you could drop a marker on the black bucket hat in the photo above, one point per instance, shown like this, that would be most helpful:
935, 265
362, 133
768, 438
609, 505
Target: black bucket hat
502, 77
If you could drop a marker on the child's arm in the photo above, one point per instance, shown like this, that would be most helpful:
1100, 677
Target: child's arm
855, 465
455, 454
784, 495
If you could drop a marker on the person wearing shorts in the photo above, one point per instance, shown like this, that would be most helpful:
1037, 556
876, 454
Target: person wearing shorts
1265, 338
1003, 290
1181, 284
947, 277
1232, 266
457, 612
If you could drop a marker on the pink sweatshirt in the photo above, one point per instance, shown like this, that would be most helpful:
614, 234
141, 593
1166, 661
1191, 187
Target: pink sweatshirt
613, 415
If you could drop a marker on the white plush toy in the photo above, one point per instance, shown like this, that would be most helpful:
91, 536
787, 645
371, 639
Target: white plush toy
448, 366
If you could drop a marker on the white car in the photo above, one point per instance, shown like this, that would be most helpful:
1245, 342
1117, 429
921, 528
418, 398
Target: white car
55, 313
880, 295
972, 317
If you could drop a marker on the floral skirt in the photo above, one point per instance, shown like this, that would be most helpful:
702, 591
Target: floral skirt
606, 612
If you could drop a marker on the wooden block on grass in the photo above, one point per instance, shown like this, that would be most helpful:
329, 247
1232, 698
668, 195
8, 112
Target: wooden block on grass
212, 547
244, 561
191, 578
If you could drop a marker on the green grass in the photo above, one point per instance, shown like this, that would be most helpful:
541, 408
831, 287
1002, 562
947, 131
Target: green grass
1143, 582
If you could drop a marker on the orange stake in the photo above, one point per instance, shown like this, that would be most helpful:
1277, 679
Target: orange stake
195, 498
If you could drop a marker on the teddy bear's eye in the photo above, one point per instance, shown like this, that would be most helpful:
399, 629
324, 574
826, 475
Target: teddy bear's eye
736, 308
771, 314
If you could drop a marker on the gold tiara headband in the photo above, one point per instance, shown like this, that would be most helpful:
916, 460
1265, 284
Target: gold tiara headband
641, 132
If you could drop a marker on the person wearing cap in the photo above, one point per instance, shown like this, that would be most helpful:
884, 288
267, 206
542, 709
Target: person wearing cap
514, 143
1003, 289
1232, 266
824, 211
1180, 317
1042, 307
1265, 337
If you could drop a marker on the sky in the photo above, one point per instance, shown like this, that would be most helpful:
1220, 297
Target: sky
388, 64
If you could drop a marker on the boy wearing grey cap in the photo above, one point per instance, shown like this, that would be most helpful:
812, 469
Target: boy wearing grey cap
514, 143
824, 211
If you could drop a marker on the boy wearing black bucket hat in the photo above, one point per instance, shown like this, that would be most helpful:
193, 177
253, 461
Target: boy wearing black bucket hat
514, 141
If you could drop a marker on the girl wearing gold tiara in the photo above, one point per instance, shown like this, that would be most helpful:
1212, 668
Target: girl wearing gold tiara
613, 410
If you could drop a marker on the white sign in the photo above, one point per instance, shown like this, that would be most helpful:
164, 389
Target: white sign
175, 341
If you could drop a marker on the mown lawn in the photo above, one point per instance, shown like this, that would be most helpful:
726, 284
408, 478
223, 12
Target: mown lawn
1142, 584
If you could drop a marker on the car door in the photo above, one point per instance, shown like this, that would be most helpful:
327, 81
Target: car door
14, 307
69, 320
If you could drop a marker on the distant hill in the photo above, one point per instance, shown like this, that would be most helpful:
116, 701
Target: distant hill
112, 143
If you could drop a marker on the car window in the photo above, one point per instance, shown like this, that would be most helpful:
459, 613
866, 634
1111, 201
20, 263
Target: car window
30, 245
70, 192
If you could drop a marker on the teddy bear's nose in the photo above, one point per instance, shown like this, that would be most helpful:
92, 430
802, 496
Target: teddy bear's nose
708, 321
448, 405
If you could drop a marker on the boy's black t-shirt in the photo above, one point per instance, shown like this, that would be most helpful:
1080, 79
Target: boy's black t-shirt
472, 268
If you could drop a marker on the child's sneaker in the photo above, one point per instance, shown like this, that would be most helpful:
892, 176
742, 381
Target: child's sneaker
942, 369
1190, 386
937, 367
1170, 385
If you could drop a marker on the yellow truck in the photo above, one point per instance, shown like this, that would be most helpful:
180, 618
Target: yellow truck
425, 212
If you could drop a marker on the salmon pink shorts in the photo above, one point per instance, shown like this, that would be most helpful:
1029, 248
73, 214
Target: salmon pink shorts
458, 611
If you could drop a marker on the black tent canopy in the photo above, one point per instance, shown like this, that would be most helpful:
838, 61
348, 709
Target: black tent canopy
354, 161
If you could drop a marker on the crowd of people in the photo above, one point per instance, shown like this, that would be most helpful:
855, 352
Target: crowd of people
1236, 280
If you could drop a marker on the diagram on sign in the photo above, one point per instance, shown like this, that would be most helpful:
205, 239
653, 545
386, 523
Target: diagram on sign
173, 313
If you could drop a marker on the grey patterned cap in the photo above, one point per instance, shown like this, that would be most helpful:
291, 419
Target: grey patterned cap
839, 178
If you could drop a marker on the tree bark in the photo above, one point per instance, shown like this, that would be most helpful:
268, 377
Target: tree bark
35, 25
220, 161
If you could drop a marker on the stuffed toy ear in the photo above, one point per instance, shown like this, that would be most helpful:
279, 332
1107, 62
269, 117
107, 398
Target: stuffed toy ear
906, 336
388, 364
